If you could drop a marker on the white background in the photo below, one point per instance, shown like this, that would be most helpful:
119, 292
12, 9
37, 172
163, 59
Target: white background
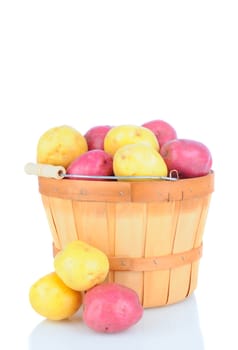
86, 63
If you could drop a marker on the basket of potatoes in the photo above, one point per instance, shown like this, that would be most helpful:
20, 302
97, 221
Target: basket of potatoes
138, 193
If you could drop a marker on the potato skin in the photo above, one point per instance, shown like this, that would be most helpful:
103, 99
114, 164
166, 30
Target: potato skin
111, 308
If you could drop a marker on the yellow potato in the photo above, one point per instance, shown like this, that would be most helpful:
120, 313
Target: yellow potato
81, 266
122, 135
138, 160
51, 298
60, 146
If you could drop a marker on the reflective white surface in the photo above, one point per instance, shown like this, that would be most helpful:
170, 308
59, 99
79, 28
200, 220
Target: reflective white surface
175, 325
85, 63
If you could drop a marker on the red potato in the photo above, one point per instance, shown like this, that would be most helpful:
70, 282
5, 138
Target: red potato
163, 131
95, 136
111, 308
95, 162
190, 158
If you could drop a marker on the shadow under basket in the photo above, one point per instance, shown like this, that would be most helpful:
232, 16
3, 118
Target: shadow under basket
151, 231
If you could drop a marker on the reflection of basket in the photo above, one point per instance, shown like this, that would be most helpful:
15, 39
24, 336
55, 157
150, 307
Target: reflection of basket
151, 231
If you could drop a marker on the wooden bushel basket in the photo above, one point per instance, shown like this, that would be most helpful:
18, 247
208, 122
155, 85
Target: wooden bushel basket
151, 231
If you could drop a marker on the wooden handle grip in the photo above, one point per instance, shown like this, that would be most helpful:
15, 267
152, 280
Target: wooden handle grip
45, 170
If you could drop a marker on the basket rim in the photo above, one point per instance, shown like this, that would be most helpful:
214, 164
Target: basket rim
127, 191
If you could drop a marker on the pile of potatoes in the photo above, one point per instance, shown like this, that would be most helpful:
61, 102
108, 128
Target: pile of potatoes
79, 279
151, 149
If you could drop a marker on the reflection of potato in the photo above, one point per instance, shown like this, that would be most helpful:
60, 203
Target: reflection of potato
60, 146
122, 135
138, 160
